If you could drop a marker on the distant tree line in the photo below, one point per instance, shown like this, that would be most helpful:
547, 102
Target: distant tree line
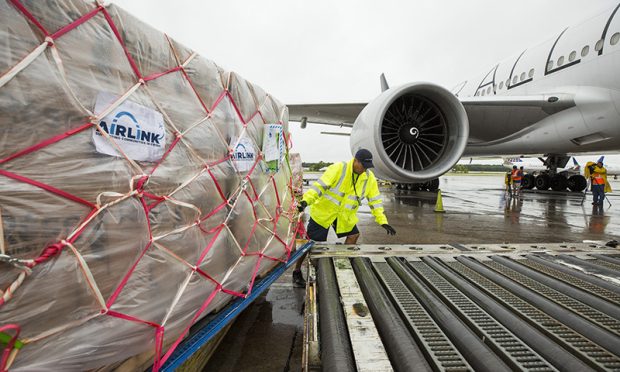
459, 168
466, 168
315, 167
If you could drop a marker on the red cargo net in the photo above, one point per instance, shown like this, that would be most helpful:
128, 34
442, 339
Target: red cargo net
146, 199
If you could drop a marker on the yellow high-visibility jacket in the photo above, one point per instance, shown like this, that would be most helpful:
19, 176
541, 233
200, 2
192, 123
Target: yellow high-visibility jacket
333, 197
596, 173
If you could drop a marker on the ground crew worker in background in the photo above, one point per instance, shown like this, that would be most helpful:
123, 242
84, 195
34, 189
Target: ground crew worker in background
516, 179
335, 198
507, 181
598, 178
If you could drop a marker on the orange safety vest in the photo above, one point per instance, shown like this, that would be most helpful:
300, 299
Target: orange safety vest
516, 175
597, 179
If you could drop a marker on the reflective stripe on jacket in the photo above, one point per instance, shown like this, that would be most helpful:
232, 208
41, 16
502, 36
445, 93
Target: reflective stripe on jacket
333, 197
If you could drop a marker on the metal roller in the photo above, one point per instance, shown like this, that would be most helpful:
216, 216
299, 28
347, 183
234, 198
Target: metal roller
548, 349
477, 353
601, 336
402, 349
604, 306
336, 353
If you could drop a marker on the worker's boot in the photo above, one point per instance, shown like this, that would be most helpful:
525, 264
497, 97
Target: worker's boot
298, 279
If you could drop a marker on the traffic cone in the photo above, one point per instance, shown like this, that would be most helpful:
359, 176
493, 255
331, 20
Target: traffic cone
439, 204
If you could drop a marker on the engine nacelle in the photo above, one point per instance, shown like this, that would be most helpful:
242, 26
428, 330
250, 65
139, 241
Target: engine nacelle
416, 132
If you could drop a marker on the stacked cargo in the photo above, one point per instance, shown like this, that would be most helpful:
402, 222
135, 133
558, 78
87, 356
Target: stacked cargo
134, 194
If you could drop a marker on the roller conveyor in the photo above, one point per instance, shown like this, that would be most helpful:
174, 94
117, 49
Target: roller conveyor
461, 307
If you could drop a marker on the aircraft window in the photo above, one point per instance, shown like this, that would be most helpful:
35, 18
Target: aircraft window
615, 38
482, 92
572, 56
522, 77
501, 85
585, 50
599, 45
549, 65
560, 61
531, 74
489, 90
515, 79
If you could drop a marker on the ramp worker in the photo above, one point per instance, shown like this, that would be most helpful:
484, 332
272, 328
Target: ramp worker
598, 178
516, 176
507, 181
335, 198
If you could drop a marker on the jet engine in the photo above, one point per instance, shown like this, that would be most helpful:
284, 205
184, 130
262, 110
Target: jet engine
416, 132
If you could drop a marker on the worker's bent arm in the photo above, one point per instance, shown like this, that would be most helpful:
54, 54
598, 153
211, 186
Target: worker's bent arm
327, 180
375, 201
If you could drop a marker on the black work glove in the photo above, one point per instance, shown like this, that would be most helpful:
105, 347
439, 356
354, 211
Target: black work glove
301, 206
390, 230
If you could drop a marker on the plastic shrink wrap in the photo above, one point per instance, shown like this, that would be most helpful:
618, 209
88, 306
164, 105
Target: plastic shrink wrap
133, 196
297, 171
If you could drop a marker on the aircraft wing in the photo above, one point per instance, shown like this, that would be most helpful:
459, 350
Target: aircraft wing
338, 114
527, 109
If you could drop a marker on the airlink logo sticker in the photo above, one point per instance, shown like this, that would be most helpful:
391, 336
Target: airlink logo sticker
244, 154
138, 130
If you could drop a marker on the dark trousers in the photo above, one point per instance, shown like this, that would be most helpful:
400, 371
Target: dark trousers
598, 194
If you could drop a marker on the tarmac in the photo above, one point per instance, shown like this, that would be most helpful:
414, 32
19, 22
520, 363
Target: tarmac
268, 335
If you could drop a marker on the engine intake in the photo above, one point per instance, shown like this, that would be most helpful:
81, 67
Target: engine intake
416, 132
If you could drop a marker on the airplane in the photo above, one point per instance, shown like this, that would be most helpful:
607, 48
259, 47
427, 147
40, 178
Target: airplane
558, 98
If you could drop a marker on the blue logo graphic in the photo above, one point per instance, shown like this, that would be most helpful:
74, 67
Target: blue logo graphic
242, 153
129, 130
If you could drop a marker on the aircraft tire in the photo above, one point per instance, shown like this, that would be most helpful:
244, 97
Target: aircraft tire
577, 183
433, 185
528, 182
543, 182
558, 183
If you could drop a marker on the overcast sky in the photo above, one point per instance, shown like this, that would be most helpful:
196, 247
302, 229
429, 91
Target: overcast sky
333, 51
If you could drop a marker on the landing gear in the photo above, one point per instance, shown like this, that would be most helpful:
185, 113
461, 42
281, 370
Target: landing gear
432, 185
577, 183
556, 176
543, 181
558, 182
528, 182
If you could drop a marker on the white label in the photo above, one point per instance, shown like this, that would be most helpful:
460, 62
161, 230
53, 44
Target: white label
244, 155
273, 142
138, 130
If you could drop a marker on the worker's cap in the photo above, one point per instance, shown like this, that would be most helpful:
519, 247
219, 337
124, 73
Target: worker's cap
365, 157
514, 167
600, 160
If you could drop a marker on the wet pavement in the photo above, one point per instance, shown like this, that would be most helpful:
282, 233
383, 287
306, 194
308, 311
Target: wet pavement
478, 210
268, 335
